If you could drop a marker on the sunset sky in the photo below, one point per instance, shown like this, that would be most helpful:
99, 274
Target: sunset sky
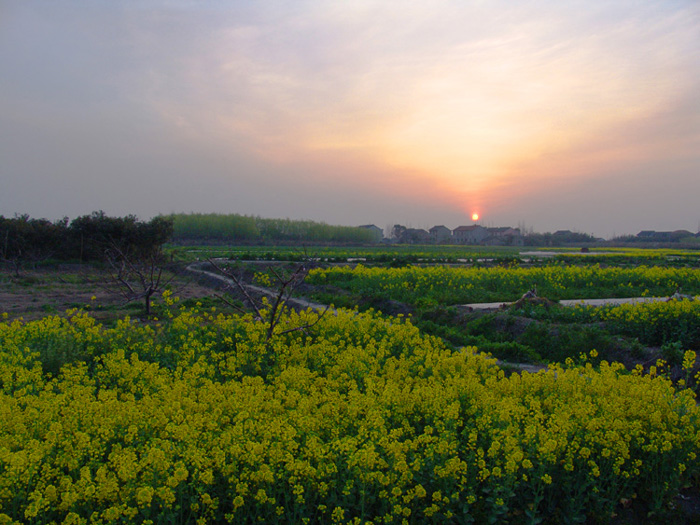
580, 115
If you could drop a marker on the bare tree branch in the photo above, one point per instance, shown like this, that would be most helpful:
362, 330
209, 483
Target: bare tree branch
306, 326
284, 287
239, 285
137, 276
229, 303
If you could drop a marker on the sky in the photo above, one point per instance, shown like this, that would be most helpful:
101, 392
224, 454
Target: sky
544, 115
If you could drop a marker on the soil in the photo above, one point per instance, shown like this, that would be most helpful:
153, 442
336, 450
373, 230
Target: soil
683, 510
37, 293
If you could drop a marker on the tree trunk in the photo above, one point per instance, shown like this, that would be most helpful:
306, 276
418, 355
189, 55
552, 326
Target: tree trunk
149, 293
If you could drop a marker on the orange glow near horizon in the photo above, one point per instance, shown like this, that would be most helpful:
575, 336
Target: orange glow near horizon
524, 116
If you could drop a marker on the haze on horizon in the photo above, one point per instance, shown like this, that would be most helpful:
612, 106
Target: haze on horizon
552, 114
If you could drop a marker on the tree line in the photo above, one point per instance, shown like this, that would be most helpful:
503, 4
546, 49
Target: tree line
198, 227
90, 238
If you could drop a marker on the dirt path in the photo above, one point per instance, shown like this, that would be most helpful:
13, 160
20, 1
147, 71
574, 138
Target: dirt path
522, 367
573, 302
198, 268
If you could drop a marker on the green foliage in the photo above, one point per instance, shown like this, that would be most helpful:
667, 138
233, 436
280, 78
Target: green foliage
91, 236
394, 254
458, 285
214, 226
672, 353
235, 228
557, 343
653, 323
519, 336
24, 240
86, 238
510, 351
360, 418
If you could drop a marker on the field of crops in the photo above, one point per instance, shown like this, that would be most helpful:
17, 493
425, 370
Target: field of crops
201, 418
654, 323
378, 254
356, 416
401, 254
441, 285
538, 332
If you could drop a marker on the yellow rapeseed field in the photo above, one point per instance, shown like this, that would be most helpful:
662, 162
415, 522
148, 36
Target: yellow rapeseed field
430, 286
198, 418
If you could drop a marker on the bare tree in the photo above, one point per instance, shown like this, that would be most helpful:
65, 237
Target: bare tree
271, 312
133, 251
138, 277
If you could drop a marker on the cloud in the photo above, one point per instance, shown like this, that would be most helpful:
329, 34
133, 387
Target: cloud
320, 109
456, 103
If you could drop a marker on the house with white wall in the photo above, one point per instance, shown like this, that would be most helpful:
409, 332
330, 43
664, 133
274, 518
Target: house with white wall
439, 234
474, 234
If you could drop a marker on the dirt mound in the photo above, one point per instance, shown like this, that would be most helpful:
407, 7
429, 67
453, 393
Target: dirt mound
524, 302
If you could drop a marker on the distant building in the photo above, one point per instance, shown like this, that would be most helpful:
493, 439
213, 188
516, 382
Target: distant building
681, 234
504, 231
469, 234
440, 234
654, 236
504, 236
376, 231
646, 234
415, 236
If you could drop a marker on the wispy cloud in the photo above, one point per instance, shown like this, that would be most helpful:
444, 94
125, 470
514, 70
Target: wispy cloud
438, 105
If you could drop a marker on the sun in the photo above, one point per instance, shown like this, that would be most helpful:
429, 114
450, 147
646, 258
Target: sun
475, 216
